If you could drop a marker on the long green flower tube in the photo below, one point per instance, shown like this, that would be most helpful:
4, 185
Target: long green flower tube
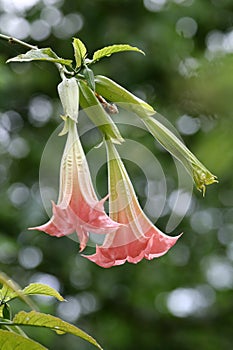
117, 94
97, 114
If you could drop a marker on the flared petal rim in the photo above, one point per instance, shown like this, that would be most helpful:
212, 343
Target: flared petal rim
132, 252
138, 238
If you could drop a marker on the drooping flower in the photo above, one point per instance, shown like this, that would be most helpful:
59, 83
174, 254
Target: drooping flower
137, 237
78, 208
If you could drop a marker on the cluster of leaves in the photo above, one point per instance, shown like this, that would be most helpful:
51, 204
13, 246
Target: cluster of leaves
11, 335
90, 96
80, 53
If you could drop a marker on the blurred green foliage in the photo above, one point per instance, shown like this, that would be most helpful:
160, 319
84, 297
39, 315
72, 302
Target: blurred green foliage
184, 299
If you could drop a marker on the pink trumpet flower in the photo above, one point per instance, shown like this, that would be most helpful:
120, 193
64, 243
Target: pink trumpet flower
78, 208
137, 237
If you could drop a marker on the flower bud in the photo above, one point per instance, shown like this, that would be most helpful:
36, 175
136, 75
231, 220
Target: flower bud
69, 95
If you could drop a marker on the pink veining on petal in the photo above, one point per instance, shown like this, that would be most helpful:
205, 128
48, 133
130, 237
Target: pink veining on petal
78, 208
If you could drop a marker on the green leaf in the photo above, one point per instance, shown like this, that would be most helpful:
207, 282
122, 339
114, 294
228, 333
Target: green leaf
1, 311
45, 54
109, 50
80, 51
42, 289
39, 319
11, 290
13, 341
8, 291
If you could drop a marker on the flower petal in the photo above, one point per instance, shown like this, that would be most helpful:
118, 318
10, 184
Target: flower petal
137, 238
154, 245
62, 223
78, 208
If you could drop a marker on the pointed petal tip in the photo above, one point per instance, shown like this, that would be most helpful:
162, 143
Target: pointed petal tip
175, 238
104, 198
38, 228
81, 249
100, 204
83, 237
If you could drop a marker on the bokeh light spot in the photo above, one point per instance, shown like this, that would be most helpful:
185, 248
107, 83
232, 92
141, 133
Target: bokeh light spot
51, 15
201, 221
40, 30
53, 2
214, 41
219, 272
30, 257
12, 121
88, 302
40, 110
69, 311
187, 27
18, 147
4, 139
183, 302
225, 234
154, 5
18, 194
68, 26
14, 26
18, 5
188, 125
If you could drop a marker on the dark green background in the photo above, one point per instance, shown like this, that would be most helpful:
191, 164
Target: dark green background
127, 307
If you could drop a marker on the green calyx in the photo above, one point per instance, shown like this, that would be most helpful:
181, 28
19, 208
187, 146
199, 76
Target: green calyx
97, 113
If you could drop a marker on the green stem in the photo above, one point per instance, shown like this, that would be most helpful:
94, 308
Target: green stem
12, 40
15, 329
62, 70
